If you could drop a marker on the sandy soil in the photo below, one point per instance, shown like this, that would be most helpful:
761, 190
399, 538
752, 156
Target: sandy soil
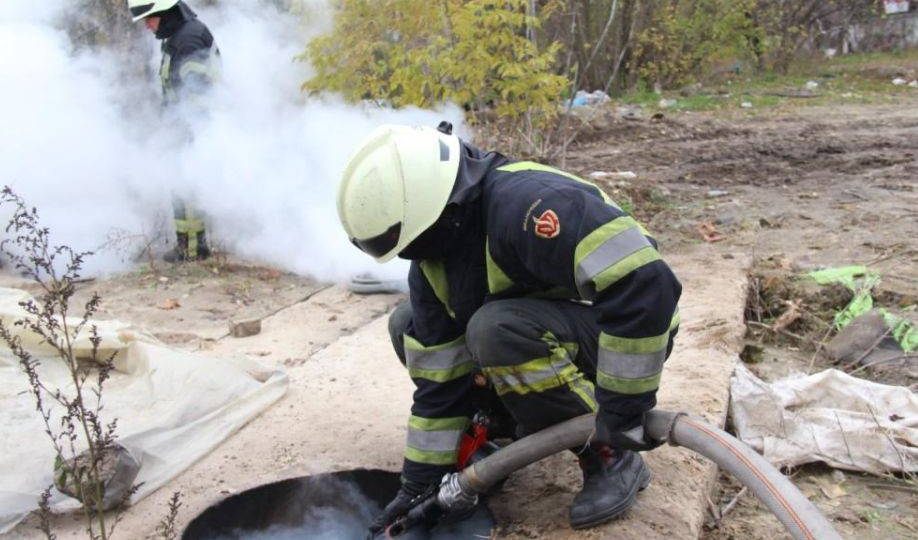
808, 188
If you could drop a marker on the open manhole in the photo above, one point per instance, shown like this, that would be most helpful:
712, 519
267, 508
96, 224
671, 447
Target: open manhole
330, 506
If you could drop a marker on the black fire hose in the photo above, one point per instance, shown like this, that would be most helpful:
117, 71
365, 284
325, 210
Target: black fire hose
798, 515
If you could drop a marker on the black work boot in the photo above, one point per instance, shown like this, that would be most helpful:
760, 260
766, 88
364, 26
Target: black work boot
611, 481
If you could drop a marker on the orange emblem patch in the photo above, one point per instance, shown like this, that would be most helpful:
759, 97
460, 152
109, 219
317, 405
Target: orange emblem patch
547, 225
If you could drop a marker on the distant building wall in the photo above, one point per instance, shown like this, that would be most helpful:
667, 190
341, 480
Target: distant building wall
894, 31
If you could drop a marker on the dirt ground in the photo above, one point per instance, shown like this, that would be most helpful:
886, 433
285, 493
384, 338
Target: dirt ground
797, 190
787, 190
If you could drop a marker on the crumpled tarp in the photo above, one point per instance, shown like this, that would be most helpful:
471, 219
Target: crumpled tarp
846, 422
172, 407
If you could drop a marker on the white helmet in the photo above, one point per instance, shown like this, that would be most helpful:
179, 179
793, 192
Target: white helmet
395, 186
141, 9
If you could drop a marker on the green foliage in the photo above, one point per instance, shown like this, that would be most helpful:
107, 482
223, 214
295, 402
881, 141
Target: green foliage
473, 53
681, 38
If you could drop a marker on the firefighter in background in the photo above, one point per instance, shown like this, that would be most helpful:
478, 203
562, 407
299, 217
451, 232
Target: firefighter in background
190, 66
529, 276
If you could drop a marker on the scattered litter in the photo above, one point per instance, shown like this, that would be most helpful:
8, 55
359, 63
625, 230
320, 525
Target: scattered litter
899, 81
914, 84
746, 104
808, 195
667, 103
710, 233
246, 328
902, 330
811, 85
169, 303
617, 175
896, 6
847, 95
163, 279
844, 274
629, 113
584, 98
821, 417
830, 52
716, 193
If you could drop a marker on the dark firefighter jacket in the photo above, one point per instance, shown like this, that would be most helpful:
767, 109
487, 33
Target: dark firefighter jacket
536, 231
191, 60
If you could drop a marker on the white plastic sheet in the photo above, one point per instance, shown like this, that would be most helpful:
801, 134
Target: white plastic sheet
846, 422
172, 407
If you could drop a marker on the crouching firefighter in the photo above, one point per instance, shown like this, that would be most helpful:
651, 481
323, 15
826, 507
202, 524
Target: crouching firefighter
189, 67
528, 275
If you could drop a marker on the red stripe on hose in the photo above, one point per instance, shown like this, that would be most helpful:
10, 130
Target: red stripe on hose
774, 491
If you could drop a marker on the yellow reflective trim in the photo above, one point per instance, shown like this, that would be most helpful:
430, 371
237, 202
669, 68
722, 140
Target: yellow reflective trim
438, 424
164, 68
192, 66
611, 275
413, 344
431, 457
551, 372
628, 386
644, 345
497, 279
533, 166
441, 375
579, 384
587, 393
560, 378
599, 236
189, 226
435, 273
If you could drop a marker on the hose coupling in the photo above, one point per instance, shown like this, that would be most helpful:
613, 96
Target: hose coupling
452, 497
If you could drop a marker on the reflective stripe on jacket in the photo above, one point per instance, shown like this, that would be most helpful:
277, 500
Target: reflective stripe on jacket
546, 233
190, 64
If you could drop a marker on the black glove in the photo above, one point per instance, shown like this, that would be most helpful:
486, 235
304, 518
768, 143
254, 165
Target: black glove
624, 432
399, 505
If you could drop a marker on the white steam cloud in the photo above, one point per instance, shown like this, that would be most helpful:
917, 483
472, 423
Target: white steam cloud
93, 154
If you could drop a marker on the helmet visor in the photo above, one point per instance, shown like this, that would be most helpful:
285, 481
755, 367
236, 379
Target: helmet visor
379, 245
143, 9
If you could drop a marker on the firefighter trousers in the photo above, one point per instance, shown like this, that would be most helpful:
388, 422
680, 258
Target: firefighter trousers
539, 356
189, 231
